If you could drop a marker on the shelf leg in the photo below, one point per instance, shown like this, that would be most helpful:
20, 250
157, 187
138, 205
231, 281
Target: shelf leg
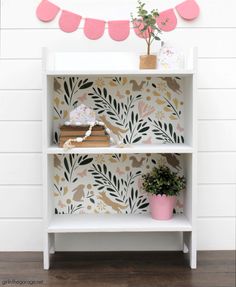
185, 248
189, 240
46, 253
52, 243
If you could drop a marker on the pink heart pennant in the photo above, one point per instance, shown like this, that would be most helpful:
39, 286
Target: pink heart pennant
69, 22
119, 30
47, 11
188, 10
138, 26
93, 28
167, 20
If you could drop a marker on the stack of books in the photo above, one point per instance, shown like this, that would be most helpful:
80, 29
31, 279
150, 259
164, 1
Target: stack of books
98, 137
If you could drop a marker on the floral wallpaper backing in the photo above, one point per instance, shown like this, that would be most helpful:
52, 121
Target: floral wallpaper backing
106, 183
137, 110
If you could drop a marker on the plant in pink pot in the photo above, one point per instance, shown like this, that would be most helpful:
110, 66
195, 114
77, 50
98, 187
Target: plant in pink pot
163, 186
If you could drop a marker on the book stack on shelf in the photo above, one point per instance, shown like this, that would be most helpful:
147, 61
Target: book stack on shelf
98, 137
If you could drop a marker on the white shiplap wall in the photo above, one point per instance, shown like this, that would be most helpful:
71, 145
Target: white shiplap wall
22, 37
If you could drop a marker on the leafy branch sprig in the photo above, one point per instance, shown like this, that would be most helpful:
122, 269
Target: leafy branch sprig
137, 127
105, 180
71, 163
105, 102
145, 22
129, 182
165, 132
72, 86
130, 103
137, 202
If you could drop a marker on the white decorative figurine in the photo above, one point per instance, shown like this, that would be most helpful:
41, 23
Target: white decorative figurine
84, 116
170, 58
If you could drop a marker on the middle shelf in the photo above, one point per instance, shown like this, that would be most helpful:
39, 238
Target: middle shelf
128, 149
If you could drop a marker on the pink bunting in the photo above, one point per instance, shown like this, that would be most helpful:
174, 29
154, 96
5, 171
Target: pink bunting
47, 11
119, 30
188, 10
69, 22
167, 20
93, 28
138, 26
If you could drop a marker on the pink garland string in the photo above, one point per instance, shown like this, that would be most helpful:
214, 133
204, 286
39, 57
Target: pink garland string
118, 30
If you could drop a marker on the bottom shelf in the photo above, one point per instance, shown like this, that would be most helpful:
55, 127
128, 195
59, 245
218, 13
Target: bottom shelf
84, 223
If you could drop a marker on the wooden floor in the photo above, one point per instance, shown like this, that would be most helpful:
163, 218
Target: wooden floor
123, 269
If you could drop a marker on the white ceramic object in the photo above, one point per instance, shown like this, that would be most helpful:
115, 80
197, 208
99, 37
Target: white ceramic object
170, 58
82, 115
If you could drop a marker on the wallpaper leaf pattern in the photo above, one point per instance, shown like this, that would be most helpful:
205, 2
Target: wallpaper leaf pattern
146, 110
165, 132
106, 183
136, 109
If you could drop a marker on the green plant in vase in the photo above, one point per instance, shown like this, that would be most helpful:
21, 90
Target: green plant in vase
163, 186
146, 27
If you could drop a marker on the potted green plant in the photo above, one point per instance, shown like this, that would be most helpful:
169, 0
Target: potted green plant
146, 27
163, 186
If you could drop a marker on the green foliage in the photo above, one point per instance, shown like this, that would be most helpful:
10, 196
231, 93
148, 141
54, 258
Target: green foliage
163, 181
104, 102
72, 86
138, 127
120, 189
147, 20
71, 163
165, 132
121, 113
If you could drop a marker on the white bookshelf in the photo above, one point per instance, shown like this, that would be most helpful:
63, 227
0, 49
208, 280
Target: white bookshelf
118, 64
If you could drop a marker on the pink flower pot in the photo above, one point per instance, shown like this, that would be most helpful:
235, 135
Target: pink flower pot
161, 206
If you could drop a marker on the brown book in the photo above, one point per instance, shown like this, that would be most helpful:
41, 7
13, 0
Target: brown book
80, 131
81, 128
90, 144
90, 138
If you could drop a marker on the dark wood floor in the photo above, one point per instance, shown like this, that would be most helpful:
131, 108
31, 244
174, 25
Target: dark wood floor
123, 269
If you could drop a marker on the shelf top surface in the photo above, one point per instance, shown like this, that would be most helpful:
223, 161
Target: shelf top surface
129, 149
131, 72
116, 223
106, 63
